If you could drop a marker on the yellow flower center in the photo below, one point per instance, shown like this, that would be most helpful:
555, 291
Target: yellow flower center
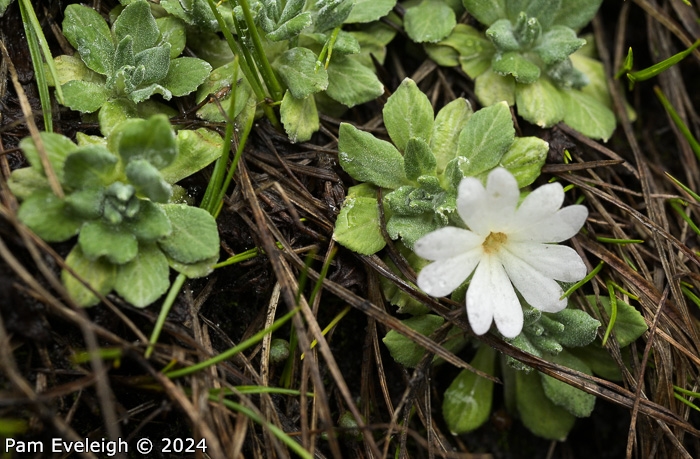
494, 241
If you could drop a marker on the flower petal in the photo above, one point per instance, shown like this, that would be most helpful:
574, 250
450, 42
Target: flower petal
538, 290
559, 262
502, 197
471, 205
491, 296
444, 276
543, 202
563, 225
446, 242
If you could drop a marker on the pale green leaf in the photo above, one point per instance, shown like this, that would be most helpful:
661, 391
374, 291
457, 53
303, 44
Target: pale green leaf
405, 351
196, 150
576, 13
297, 69
99, 274
448, 124
172, 30
194, 270
587, 115
430, 21
84, 96
86, 203
369, 159
515, 64
91, 165
100, 239
486, 136
3, 6
26, 181
114, 112
185, 74
195, 236
544, 11
467, 401
145, 278
147, 180
331, 14
57, 148
411, 228
580, 328
357, 226
299, 117
89, 33
539, 413
629, 323
291, 28
418, 159
573, 400
408, 114
351, 83
525, 159
486, 11
369, 10
46, 215
139, 95
152, 140
156, 62
150, 223
71, 68
491, 88
124, 55
136, 20
557, 44
540, 103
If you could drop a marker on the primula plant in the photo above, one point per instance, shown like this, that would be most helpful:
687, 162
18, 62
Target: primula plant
420, 172
116, 197
531, 57
120, 68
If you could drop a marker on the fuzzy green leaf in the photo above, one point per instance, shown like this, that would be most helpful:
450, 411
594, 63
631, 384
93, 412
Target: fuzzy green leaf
449, 122
196, 150
148, 181
99, 273
467, 401
86, 203
540, 103
114, 112
351, 83
136, 20
557, 44
57, 148
172, 30
150, 223
331, 14
156, 62
145, 278
185, 74
194, 270
588, 116
297, 68
89, 33
486, 136
26, 181
299, 117
405, 351
410, 228
418, 159
291, 28
92, 165
579, 328
573, 400
71, 68
486, 11
195, 236
475, 50
369, 10
46, 215
503, 37
357, 226
98, 239
430, 21
515, 64
84, 96
124, 55
408, 114
525, 159
491, 88
577, 13
369, 159
152, 140
629, 323
544, 11
539, 413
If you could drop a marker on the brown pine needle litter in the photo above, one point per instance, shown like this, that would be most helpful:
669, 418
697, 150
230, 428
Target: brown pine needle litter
284, 202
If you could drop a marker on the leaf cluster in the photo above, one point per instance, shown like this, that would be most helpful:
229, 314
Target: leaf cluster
420, 170
124, 65
117, 201
531, 56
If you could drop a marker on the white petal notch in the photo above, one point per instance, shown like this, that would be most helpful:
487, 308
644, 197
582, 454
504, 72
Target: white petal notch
508, 248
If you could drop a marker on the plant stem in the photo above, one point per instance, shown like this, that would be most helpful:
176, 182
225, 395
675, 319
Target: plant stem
167, 305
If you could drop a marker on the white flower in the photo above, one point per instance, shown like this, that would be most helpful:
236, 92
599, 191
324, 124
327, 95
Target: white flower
508, 246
